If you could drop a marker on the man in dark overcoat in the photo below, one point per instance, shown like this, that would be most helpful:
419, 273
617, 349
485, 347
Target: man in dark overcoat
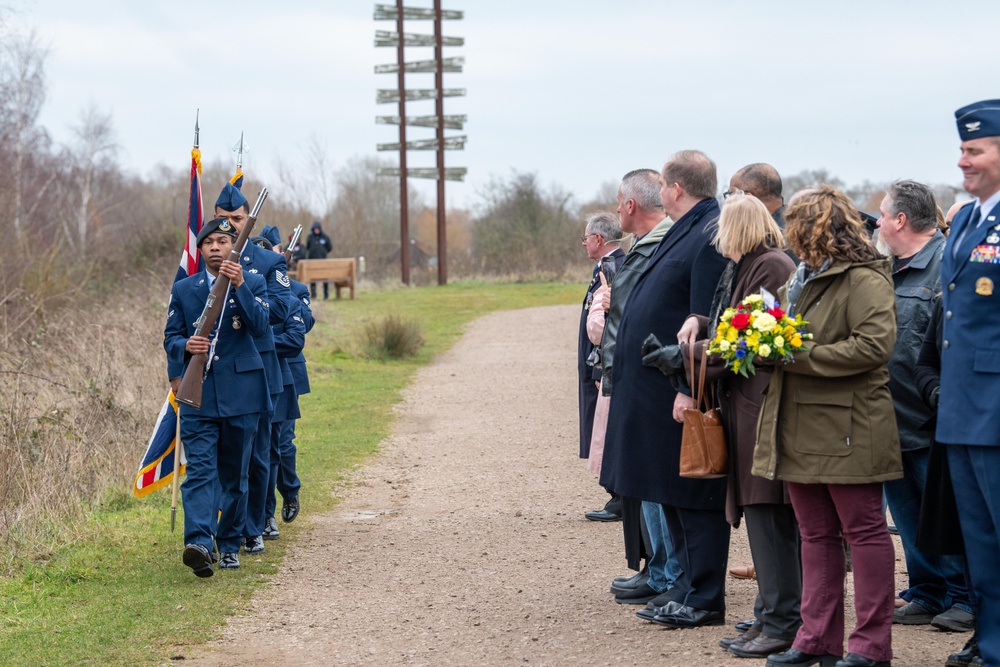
643, 437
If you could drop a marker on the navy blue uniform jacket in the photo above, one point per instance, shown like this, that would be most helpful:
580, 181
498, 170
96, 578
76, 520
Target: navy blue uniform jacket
235, 384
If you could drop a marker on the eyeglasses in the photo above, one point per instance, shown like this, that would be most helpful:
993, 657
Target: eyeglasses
728, 193
583, 239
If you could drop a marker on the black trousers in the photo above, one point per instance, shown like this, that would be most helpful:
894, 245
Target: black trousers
701, 544
637, 544
773, 534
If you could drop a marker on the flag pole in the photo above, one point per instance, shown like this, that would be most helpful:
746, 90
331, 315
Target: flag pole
176, 482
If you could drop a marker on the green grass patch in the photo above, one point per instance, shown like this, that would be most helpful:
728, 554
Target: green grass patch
120, 595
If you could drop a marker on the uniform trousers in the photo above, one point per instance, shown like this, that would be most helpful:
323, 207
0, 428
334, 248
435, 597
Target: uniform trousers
828, 514
282, 474
260, 471
701, 544
218, 453
975, 471
774, 546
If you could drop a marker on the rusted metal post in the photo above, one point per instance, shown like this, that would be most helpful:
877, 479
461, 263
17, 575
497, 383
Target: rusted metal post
442, 234
404, 208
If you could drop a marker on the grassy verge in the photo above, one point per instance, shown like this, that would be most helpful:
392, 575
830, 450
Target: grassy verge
120, 595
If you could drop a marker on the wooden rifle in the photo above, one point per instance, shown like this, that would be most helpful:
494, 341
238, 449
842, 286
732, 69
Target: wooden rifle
189, 392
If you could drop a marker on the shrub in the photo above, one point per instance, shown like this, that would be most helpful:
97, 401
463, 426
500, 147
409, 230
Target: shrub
391, 337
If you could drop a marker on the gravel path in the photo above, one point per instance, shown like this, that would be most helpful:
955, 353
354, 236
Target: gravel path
463, 542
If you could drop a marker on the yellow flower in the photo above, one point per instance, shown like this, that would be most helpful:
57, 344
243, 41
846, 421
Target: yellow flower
764, 322
796, 341
732, 335
779, 341
724, 345
764, 350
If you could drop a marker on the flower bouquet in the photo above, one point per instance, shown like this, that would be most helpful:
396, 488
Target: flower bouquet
757, 329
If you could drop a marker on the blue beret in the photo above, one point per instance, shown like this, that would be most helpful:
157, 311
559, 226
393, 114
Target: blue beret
271, 234
230, 198
217, 225
981, 119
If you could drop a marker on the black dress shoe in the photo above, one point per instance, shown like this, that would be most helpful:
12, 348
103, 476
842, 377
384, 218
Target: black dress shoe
760, 646
639, 595
793, 657
290, 508
621, 584
198, 559
967, 656
603, 515
652, 610
689, 617
855, 660
743, 626
253, 545
663, 598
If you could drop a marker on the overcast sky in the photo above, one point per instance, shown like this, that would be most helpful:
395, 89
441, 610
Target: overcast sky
578, 91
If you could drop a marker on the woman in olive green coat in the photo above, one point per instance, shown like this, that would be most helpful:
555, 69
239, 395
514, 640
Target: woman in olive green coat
828, 429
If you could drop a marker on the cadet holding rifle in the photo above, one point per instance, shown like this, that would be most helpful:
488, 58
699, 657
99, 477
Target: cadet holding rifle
213, 316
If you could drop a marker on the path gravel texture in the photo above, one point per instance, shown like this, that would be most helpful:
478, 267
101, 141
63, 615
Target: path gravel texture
464, 543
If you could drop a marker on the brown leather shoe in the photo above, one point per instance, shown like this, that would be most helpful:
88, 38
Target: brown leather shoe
760, 647
743, 572
742, 638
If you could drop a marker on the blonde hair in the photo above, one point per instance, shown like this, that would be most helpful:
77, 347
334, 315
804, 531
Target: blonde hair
744, 226
822, 224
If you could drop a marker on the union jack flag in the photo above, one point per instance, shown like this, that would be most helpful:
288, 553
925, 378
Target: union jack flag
157, 467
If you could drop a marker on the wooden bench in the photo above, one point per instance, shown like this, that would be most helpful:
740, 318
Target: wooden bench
341, 271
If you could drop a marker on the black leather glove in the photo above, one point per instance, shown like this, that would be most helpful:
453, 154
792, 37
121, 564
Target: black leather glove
667, 358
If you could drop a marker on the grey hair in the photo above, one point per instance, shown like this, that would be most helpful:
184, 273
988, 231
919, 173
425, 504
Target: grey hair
606, 224
643, 186
916, 200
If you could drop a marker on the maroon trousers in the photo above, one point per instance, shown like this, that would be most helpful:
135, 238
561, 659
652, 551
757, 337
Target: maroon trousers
828, 514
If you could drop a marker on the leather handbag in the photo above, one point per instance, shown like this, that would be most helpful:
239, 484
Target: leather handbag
703, 443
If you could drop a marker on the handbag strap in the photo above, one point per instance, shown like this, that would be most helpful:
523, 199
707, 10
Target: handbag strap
698, 388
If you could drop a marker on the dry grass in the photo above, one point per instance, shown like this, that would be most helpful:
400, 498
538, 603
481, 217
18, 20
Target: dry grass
391, 337
79, 388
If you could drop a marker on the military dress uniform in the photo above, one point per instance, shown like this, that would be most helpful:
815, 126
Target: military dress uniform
970, 382
283, 474
270, 266
217, 437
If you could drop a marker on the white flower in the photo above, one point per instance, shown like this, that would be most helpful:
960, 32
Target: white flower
724, 345
764, 350
779, 341
764, 322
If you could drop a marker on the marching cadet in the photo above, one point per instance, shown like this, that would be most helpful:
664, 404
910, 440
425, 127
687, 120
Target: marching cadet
289, 340
218, 437
233, 206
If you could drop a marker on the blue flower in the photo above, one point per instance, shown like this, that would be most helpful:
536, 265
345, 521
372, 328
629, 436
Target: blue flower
741, 353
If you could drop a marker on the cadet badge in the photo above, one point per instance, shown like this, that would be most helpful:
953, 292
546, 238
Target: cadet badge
282, 279
984, 287
236, 322
224, 226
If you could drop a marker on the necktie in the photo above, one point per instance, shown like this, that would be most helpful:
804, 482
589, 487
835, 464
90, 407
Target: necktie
974, 221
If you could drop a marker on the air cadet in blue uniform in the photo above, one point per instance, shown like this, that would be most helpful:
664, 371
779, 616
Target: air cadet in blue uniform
970, 362
233, 206
289, 339
218, 437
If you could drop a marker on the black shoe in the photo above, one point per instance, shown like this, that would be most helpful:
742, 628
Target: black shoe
622, 584
603, 515
760, 646
651, 610
270, 529
955, 620
660, 600
743, 626
969, 655
199, 560
614, 506
855, 660
793, 657
229, 561
290, 508
639, 595
689, 617
254, 545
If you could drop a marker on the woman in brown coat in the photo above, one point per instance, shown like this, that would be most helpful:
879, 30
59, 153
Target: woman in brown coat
828, 429
750, 238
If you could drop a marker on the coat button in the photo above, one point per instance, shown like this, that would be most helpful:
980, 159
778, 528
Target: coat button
947, 315
215, 358
946, 345
951, 287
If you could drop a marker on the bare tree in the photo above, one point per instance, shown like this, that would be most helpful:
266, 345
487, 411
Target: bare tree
95, 148
22, 92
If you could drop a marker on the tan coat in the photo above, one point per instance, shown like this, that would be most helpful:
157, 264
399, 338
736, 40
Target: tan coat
828, 418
